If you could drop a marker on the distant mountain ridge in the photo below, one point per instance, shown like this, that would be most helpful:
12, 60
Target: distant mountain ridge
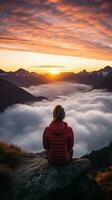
11, 94
23, 78
101, 79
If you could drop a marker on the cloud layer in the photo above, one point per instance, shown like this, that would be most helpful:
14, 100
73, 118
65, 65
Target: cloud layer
74, 27
88, 112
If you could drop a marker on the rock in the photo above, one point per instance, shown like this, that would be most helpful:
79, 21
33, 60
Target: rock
38, 180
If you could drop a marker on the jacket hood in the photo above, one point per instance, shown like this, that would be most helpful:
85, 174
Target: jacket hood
58, 127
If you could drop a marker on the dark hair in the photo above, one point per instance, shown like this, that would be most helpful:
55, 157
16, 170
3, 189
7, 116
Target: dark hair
58, 113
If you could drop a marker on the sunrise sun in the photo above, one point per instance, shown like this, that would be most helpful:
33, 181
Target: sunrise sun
54, 71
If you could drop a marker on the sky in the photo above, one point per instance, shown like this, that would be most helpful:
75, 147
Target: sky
68, 34
88, 112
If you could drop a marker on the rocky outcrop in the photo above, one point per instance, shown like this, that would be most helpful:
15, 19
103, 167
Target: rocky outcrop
38, 180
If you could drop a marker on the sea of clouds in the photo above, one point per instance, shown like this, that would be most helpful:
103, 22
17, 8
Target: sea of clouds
88, 112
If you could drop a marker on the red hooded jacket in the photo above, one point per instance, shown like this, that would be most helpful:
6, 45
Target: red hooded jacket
58, 140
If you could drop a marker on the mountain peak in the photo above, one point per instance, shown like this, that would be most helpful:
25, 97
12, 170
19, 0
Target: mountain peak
83, 71
107, 68
21, 72
21, 69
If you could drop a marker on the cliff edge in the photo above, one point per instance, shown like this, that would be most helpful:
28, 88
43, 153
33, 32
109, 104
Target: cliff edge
38, 180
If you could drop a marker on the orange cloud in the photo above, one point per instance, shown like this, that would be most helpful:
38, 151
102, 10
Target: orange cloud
74, 27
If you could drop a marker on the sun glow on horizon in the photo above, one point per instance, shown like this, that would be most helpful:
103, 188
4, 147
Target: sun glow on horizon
48, 63
54, 71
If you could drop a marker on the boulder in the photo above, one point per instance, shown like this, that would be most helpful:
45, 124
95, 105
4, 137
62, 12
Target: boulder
38, 180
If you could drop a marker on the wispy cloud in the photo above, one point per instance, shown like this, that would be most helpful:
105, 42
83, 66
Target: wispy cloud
74, 27
50, 67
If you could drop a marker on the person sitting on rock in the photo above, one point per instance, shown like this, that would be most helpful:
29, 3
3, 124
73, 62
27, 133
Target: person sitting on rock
58, 139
